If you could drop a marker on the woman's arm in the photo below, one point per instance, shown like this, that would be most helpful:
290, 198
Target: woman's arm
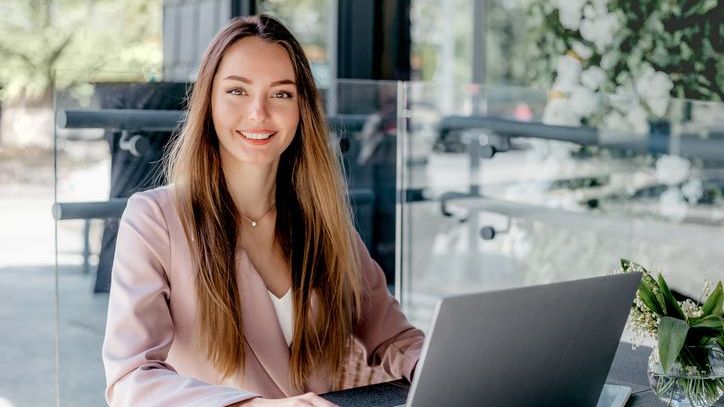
388, 338
139, 328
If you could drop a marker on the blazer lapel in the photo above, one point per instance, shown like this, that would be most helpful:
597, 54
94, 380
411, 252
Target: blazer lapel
261, 326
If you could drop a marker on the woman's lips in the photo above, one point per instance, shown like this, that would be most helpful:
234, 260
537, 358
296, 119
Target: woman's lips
256, 137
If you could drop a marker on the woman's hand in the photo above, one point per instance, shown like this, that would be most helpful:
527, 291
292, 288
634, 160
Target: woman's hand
308, 399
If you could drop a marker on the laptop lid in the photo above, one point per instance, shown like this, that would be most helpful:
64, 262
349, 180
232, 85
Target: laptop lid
545, 345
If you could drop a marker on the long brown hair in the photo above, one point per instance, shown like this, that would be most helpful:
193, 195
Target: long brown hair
313, 224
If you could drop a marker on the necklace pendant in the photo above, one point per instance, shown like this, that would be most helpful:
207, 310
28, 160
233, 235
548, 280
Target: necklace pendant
253, 224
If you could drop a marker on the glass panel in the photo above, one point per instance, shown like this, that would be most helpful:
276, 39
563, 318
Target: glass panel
100, 161
27, 278
365, 116
494, 198
309, 20
441, 40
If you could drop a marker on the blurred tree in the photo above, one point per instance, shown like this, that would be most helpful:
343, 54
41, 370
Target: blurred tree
684, 40
309, 20
507, 57
63, 43
506, 54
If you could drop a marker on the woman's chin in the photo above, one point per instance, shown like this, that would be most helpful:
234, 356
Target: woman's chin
256, 159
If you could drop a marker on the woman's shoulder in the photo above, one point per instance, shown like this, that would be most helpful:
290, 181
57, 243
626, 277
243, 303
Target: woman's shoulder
155, 202
160, 195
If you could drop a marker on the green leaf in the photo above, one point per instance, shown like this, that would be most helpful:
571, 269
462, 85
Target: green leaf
711, 321
672, 307
648, 297
720, 340
672, 333
713, 304
706, 327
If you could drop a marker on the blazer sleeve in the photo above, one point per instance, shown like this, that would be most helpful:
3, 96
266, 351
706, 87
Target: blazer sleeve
139, 328
388, 338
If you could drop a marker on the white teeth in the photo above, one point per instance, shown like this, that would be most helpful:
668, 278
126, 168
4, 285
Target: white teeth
256, 136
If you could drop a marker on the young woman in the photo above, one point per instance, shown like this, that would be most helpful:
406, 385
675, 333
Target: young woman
243, 281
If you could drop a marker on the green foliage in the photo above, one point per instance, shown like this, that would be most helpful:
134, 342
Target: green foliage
671, 306
713, 304
672, 334
676, 329
683, 40
649, 298
703, 330
307, 19
63, 43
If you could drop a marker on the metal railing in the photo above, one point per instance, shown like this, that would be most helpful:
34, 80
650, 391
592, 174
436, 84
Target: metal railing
113, 208
686, 145
130, 122
163, 120
502, 130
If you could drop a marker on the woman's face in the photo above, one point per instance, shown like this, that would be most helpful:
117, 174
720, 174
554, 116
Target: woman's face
254, 102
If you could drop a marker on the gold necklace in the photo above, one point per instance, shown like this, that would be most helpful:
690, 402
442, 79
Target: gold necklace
253, 222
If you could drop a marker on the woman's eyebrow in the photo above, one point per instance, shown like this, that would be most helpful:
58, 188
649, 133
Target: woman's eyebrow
249, 81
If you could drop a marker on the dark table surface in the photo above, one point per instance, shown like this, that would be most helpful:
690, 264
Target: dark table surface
628, 369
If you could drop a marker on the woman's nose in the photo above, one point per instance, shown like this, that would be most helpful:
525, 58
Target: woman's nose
258, 110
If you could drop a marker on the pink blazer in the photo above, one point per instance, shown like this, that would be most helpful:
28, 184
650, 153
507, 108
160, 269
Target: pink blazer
149, 353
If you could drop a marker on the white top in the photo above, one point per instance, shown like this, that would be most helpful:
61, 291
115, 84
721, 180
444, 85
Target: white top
283, 308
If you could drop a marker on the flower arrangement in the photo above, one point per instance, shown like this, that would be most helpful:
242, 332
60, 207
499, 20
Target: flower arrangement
641, 52
687, 363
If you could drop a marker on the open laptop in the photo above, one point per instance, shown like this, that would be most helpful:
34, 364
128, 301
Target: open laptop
546, 345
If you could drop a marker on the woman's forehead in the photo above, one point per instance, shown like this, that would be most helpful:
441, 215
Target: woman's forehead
257, 60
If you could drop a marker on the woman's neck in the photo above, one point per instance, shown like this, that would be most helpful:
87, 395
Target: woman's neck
252, 186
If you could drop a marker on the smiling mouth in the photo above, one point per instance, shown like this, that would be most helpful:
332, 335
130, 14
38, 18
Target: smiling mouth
253, 135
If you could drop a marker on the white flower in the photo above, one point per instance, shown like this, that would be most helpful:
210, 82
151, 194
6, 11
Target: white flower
658, 106
600, 5
568, 72
690, 309
691, 370
593, 77
582, 50
672, 205
638, 119
693, 190
654, 87
642, 321
559, 112
624, 92
583, 101
672, 169
570, 18
609, 59
569, 13
615, 122
600, 29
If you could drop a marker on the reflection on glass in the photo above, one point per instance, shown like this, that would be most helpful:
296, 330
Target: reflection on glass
309, 20
501, 200
488, 196
100, 159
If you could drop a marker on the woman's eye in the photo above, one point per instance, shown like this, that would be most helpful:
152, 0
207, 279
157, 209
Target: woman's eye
282, 95
236, 92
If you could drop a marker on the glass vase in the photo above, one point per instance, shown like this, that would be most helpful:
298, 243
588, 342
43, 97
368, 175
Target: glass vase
695, 379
